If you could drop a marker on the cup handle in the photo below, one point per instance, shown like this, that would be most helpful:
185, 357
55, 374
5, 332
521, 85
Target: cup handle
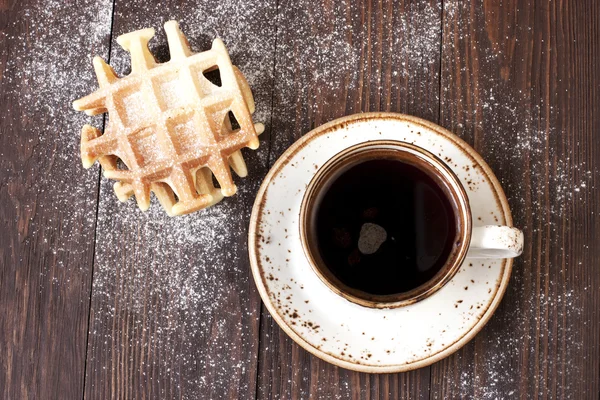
495, 241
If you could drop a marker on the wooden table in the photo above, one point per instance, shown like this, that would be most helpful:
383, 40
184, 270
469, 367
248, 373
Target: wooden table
100, 300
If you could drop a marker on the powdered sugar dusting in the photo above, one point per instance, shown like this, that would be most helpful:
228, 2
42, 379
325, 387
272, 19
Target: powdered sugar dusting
44, 67
164, 289
542, 316
166, 143
533, 127
172, 294
326, 55
250, 49
514, 330
181, 285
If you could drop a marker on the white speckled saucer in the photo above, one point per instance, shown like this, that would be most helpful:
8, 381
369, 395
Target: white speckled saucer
347, 334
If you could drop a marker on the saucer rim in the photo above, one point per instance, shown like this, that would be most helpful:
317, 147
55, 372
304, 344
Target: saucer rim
258, 205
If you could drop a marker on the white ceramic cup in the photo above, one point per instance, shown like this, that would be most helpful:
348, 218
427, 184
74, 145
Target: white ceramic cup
488, 241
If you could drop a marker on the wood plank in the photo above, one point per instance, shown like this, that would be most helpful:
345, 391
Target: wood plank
174, 312
336, 58
47, 201
519, 81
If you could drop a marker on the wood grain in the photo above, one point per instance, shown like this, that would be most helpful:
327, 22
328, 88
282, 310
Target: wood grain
334, 59
47, 202
519, 82
174, 312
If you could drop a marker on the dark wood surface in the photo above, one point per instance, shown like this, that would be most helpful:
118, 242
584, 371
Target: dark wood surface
99, 300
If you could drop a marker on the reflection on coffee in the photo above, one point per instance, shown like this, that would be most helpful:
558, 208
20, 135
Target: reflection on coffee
384, 226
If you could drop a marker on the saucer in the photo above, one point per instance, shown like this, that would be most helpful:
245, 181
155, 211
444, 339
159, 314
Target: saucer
335, 329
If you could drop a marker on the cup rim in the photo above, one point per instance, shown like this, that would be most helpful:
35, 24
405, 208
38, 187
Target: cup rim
431, 165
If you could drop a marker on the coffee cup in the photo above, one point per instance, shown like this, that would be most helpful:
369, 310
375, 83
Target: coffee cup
386, 223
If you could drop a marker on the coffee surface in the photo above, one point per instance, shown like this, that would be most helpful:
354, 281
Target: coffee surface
384, 227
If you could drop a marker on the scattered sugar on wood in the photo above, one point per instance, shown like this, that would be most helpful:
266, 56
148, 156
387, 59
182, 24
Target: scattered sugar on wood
170, 285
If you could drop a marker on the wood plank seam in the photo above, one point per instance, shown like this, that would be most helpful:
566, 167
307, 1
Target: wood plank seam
105, 116
268, 166
439, 120
269, 141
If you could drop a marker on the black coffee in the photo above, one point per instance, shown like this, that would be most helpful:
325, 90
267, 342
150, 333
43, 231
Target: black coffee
384, 227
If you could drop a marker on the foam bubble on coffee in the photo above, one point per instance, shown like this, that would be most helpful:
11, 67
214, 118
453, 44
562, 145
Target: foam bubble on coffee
372, 236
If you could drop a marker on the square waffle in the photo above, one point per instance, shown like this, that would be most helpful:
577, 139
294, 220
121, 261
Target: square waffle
171, 127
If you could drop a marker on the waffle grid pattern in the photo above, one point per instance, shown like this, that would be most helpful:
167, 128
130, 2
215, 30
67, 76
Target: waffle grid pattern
171, 127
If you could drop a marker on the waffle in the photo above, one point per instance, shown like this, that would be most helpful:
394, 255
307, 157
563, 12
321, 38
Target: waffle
171, 127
